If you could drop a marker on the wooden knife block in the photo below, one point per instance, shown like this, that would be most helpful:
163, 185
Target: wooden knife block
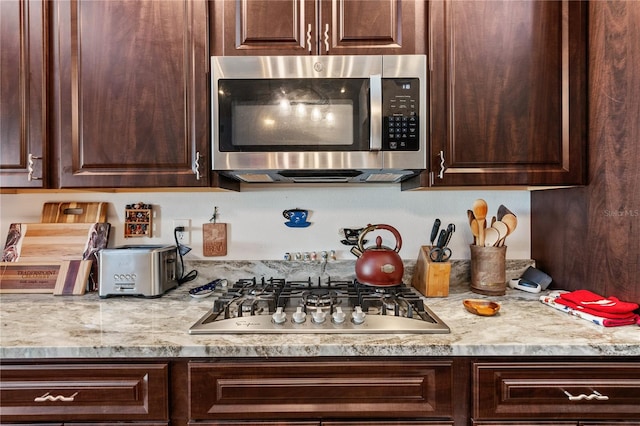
431, 278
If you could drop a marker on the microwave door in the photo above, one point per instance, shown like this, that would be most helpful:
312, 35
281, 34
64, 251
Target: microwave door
269, 113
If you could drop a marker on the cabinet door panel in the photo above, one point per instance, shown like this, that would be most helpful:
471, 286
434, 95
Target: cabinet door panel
257, 423
290, 390
263, 27
609, 424
556, 391
509, 92
308, 27
527, 423
131, 93
23, 93
385, 27
389, 423
83, 392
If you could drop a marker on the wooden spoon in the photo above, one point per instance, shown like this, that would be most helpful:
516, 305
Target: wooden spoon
491, 237
511, 221
480, 213
502, 229
502, 210
473, 224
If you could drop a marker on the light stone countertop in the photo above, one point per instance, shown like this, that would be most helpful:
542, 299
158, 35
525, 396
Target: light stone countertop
46, 326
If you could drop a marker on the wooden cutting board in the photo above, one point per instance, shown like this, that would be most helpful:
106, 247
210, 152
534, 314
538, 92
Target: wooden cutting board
37, 242
58, 277
214, 239
71, 212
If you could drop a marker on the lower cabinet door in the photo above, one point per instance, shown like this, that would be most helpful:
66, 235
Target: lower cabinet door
527, 423
325, 423
84, 392
579, 391
627, 423
363, 390
391, 423
258, 423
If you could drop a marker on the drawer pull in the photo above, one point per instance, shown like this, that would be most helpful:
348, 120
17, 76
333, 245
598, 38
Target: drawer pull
47, 397
595, 395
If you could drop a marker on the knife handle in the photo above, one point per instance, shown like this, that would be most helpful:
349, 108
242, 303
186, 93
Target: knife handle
434, 230
442, 239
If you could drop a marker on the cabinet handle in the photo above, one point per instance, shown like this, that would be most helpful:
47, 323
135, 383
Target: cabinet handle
594, 395
375, 121
309, 38
430, 35
196, 165
47, 397
442, 166
326, 38
30, 170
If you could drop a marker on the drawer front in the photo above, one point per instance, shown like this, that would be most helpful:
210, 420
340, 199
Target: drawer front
51, 392
349, 389
556, 390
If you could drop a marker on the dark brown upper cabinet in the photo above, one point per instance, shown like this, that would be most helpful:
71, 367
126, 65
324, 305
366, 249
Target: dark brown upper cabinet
130, 97
508, 93
23, 137
317, 27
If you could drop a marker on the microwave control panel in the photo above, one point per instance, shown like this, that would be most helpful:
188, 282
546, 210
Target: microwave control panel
400, 109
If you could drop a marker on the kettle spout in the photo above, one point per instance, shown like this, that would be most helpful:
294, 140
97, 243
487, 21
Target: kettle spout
356, 251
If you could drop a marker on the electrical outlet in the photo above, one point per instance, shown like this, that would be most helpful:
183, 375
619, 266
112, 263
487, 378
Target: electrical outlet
184, 237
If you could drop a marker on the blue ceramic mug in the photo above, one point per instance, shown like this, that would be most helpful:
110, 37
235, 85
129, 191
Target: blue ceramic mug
296, 216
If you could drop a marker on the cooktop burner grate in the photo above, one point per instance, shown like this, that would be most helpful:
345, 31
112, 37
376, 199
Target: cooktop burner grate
278, 305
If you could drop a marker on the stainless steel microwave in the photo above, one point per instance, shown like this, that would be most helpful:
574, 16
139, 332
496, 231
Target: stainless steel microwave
319, 118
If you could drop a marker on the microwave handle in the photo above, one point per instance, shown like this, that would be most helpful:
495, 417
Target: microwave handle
375, 123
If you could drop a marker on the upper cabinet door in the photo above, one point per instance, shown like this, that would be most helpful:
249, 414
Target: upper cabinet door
372, 27
263, 27
23, 138
508, 93
317, 27
130, 93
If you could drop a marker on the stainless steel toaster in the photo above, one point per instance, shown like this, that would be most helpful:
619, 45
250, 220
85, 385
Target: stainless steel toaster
137, 270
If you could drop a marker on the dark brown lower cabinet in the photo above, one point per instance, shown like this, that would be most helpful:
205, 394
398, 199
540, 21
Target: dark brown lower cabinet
351, 390
569, 393
84, 391
323, 391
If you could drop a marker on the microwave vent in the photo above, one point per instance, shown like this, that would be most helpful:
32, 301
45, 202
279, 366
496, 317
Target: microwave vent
255, 177
384, 177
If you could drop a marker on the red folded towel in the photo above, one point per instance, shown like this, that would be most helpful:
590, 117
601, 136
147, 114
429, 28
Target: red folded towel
595, 304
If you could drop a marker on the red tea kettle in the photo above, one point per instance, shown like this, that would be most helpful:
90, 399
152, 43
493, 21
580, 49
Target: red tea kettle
378, 265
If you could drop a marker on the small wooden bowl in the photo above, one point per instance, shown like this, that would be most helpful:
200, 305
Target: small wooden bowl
485, 308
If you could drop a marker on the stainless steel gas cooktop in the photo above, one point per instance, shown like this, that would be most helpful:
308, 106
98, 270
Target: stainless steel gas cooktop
316, 306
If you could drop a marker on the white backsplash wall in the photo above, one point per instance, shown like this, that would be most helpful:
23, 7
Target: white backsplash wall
256, 229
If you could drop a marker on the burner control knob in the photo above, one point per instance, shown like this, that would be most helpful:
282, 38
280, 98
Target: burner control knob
299, 316
319, 316
358, 315
279, 317
338, 316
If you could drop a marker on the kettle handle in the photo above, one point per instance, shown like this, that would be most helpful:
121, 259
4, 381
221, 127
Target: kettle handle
389, 228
